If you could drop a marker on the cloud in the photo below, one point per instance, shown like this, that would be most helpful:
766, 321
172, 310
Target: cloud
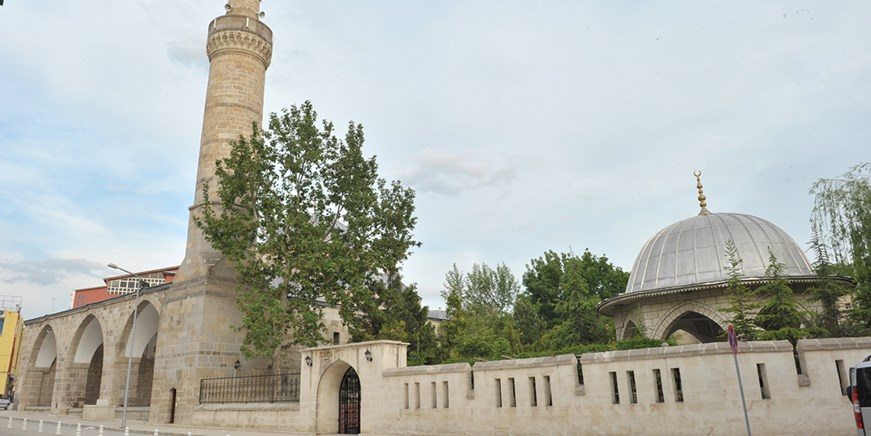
445, 173
188, 53
49, 271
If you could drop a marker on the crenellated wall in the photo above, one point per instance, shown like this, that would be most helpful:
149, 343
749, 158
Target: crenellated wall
690, 389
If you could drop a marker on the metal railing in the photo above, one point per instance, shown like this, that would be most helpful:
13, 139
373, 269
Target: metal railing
274, 388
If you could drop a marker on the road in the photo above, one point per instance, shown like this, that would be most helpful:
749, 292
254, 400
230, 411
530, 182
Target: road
12, 424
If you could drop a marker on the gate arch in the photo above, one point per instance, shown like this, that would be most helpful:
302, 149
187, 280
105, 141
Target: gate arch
327, 414
349, 403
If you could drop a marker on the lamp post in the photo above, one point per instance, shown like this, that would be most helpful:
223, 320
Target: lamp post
142, 285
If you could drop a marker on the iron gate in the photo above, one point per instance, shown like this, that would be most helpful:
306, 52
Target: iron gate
349, 403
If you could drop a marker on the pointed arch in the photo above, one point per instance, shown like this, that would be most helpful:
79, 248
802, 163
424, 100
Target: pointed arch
42, 369
327, 413
630, 329
140, 346
673, 319
44, 348
85, 367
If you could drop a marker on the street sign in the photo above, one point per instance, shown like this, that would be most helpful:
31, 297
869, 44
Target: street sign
733, 339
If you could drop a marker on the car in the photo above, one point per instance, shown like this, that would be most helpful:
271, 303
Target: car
859, 393
4, 402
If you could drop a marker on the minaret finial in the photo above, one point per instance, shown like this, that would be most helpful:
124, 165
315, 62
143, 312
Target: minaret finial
702, 198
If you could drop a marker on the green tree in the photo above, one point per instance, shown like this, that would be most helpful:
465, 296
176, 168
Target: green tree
565, 289
542, 281
480, 324
828, 292
490, 290
303, 215
576, 308
841, 218
781, 315
395, 313
742, 300
528, 322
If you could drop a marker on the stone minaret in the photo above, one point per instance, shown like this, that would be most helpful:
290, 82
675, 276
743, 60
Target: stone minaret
239, 48
196, 339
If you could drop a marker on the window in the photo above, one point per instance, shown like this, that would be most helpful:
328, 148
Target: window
548, 398
446, 397
863, 381
657, 377
336, 338
498, 392
417, 395
533, 397
842, 376
128, 285
633, 393
763, 381
678, 386
512, 394
615, 390
433, 399
406, 395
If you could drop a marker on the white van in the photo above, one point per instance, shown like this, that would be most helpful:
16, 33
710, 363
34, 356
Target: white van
860, 394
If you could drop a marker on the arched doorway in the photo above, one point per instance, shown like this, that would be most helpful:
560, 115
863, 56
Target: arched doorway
349, 403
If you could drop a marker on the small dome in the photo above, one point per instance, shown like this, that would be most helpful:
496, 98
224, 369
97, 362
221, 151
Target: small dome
693, 251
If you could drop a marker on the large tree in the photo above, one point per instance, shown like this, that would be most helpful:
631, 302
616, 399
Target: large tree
480, 324
781, 316
303, 216
395, 313
841, 220
565, 288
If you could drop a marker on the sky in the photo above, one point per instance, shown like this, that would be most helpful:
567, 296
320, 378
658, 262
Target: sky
522, 126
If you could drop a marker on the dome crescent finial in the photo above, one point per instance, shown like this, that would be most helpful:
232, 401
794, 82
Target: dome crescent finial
702, 198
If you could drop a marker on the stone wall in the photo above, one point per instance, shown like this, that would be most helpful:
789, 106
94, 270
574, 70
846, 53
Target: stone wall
688, 389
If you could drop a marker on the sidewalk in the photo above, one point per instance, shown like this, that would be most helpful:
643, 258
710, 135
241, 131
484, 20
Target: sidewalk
69, 424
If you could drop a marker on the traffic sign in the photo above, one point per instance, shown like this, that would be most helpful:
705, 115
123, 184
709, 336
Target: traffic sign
733, 339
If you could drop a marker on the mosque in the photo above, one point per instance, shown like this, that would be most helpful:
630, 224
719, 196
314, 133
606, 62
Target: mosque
678, 281
169, 354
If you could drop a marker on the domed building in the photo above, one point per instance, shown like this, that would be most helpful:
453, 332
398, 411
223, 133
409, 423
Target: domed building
678, 282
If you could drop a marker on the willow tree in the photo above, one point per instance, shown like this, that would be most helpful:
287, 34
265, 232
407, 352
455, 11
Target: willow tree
305, 220
841, 223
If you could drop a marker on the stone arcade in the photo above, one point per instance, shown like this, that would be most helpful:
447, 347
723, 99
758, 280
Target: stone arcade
75, 361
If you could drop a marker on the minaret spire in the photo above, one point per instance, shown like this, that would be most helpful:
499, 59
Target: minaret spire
245, 8
702, 203
239, 47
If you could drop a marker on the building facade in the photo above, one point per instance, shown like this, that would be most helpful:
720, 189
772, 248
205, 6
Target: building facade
122, 285
11, 332
188, 369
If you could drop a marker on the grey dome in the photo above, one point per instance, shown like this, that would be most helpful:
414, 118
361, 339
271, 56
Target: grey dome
693, 251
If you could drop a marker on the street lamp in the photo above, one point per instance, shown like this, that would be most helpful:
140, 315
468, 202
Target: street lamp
142, 285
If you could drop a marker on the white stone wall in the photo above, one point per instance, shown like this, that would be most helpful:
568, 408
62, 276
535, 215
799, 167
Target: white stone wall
414, 400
